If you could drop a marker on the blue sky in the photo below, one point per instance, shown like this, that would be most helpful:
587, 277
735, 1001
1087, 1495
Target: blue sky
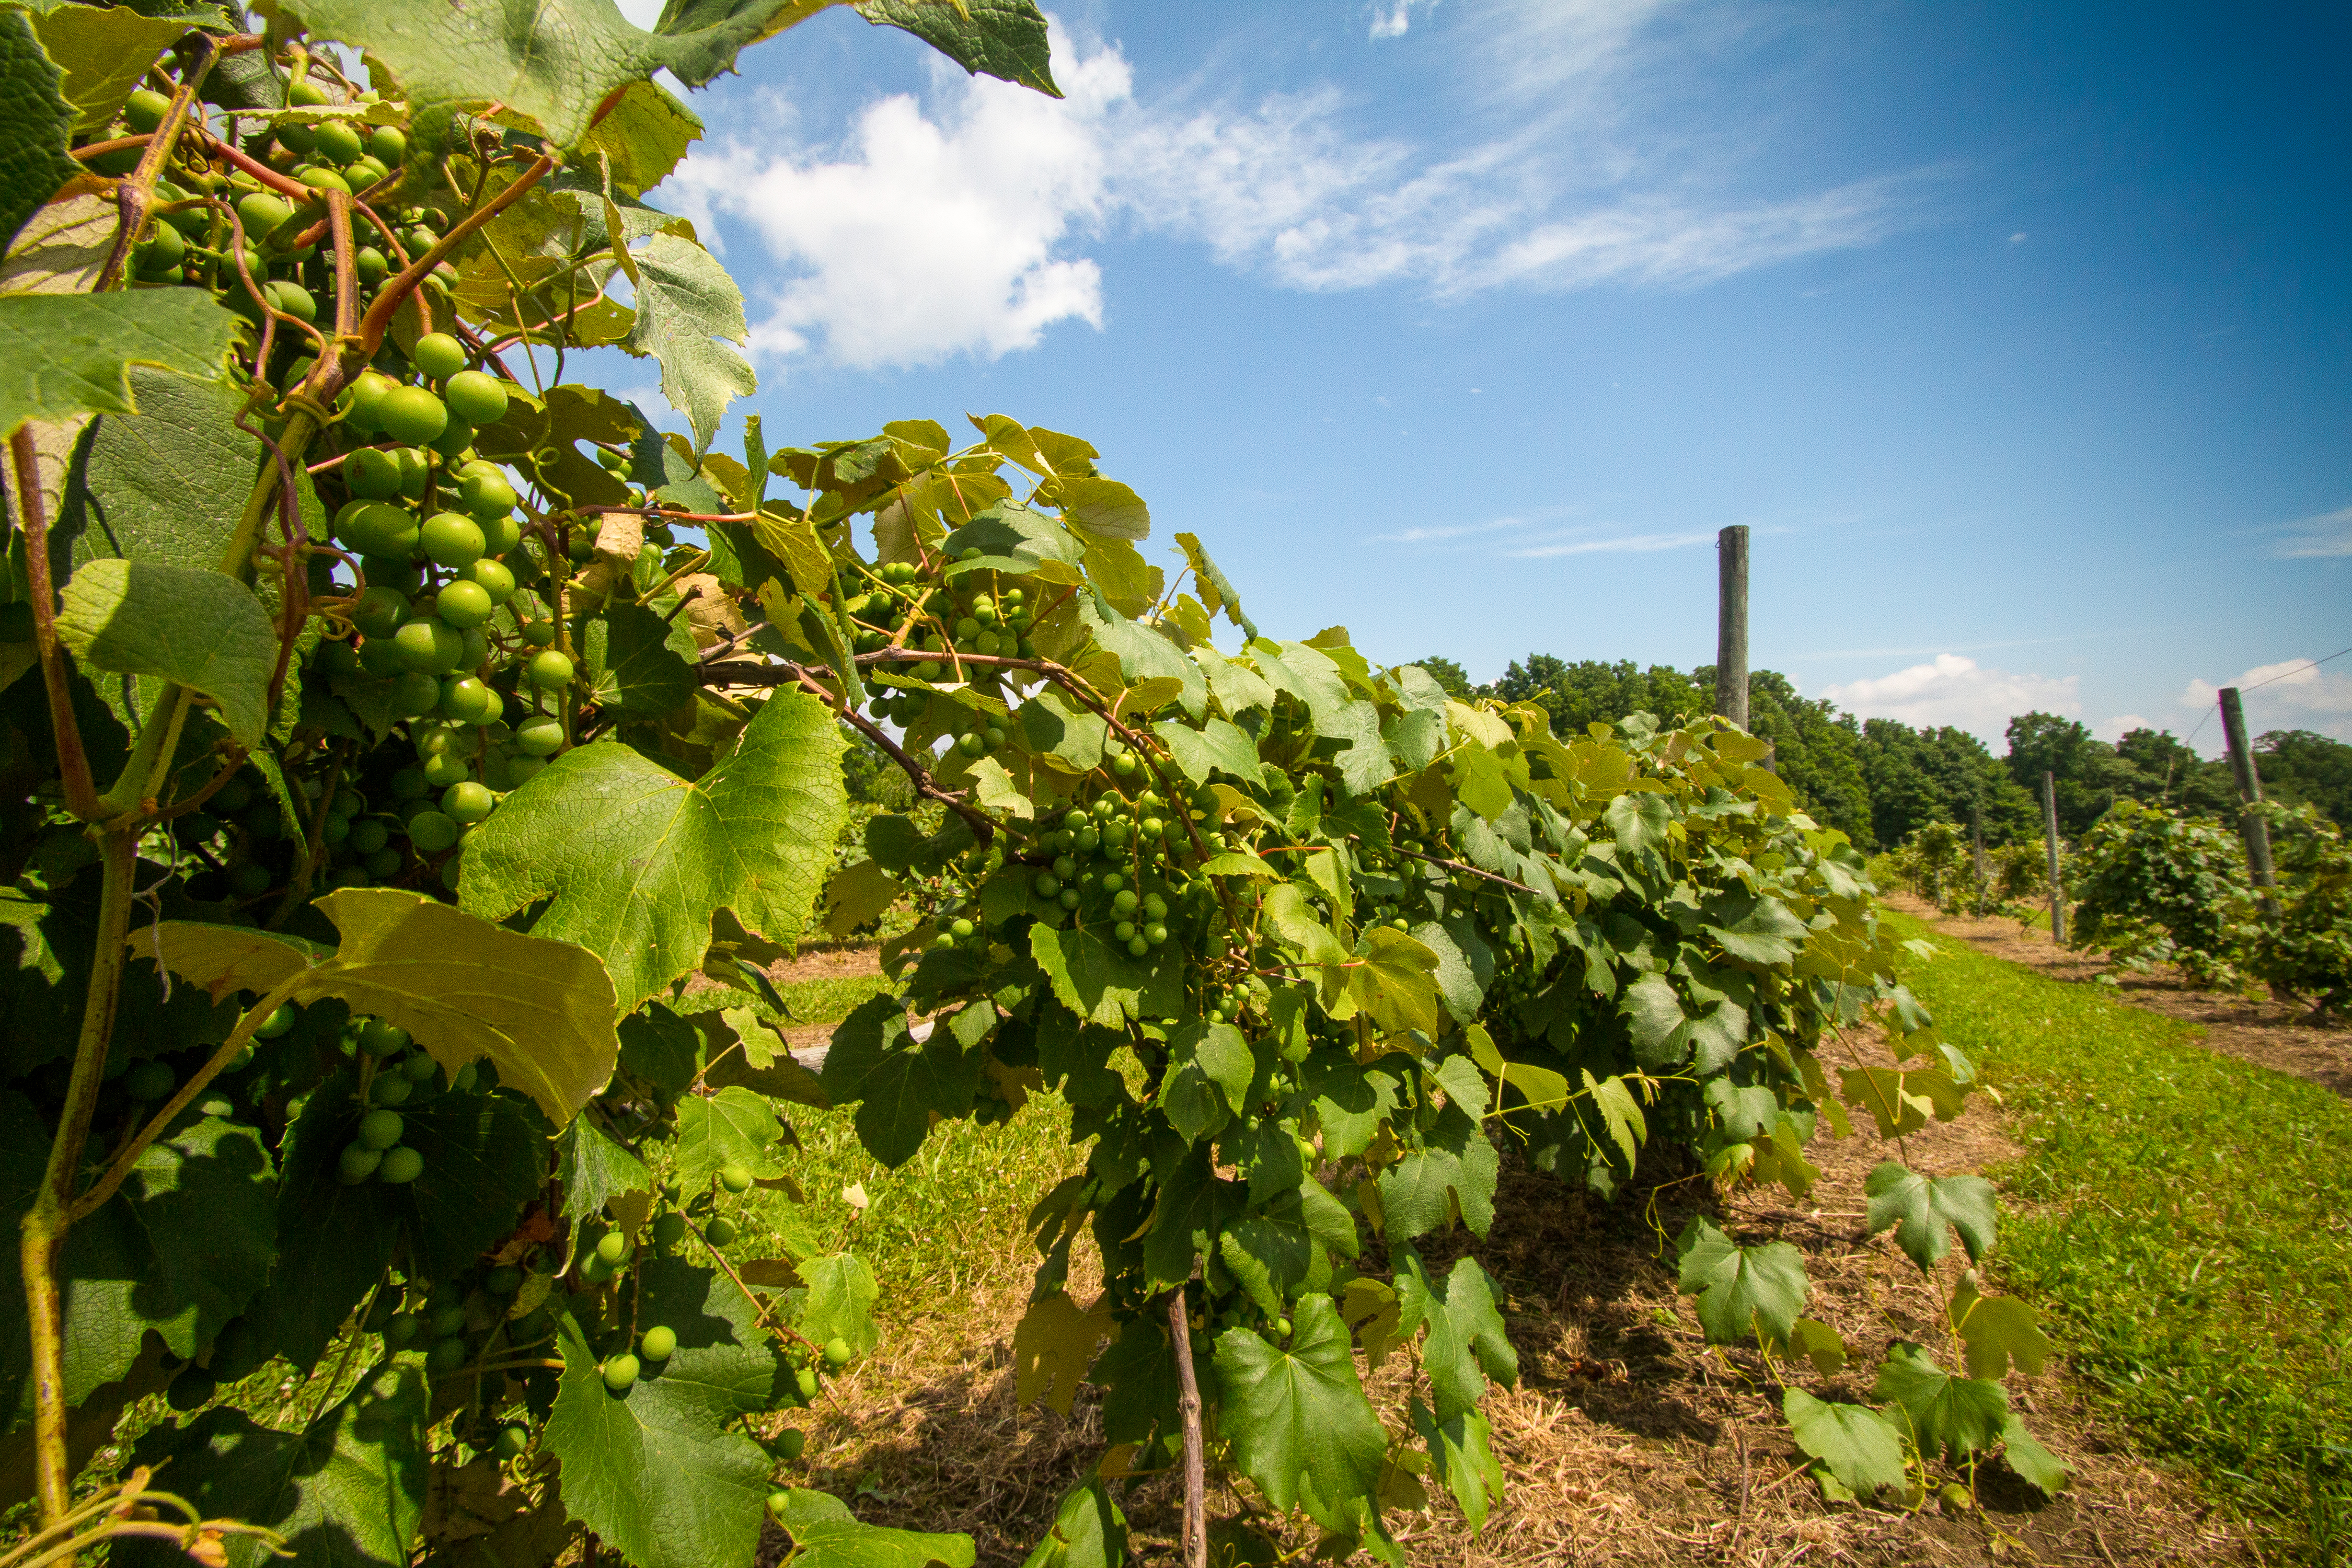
2019, 336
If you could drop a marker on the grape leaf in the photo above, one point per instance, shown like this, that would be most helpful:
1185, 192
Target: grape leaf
541, 1011
168, 475
1952, 1415
1003, 39
346, 1491
733, 1127
1741, 1290
1195, 1204
594, 1168
103, 51
825, 1534
1462, 1453
636, 860
1862, 1448
1053, 1345
1100, 982
2035, 1464
1466, 1342
1455, 1167
1996, 1331
1920, 1207
896, 1081
1297, 1418
72, 352
1209, 1072
1758, 928
1819, 1344
840, 1300
661, 1472
1090, 1531
631, 669
689, 316
206, 1193
1216, 746
203, 630
36, 128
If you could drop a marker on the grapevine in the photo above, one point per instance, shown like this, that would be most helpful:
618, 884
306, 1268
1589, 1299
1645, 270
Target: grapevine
406, 758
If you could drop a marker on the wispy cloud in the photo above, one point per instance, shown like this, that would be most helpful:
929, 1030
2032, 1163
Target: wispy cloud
1632, 543
1435, 532
961, 223
2327, 534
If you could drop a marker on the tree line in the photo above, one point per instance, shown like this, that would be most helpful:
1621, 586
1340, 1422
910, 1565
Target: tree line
1879, 780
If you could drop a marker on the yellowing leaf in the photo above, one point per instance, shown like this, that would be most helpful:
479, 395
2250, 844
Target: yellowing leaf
542, 1012
1054, 1345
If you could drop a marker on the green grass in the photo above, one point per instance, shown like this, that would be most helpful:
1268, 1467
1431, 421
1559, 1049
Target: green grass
2185, 1220
831, 1001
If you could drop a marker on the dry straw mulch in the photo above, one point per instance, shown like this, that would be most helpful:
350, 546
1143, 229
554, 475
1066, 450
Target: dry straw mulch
1627, 1440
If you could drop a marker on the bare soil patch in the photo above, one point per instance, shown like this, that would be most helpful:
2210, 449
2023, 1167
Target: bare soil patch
2284, 1036
1628, 1440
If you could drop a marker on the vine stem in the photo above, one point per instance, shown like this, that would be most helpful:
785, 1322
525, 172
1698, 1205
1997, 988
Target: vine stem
157, 1125
52, 1215
82, 790
1187, 1410
135, 196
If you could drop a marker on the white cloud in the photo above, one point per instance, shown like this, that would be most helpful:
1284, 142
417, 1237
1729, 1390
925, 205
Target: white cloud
2292, 694
2121, 725
1395, 19
1632, 543
2328, 533
960, 225
1954, 689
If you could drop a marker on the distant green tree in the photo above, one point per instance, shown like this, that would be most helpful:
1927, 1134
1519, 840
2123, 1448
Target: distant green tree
2090, 774
1944, 774
2298, 767
1816, 750
2181, 778
1593, 692
1449, 675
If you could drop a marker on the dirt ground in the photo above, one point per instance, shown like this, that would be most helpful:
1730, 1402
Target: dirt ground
2284, 1036
1628, 1440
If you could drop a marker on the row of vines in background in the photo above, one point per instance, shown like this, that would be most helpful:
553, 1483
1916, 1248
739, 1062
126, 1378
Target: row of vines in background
415, 760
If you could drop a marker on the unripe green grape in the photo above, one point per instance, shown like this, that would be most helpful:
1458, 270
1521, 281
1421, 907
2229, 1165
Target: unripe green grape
380, 1129
414, 693
357, 1164
402, 1331
391, 1088
164, 248
971, 743
1155, 906
788, 1446
500, 533
148, 1080
467, 802
431, 832
292, 299
669, 1228
454, 439
371, 265
735, 1178
412, 415
1124, 932
401, 1164
337, 143
416, 470
379, 1038
430, 644
512, 1442
495, 580
446, 1356
549, 670
249, 881
612, 1247
721, 1232
779, 1503
805, 1380
451, 539
446, 1321
260, 212
437, 356
278, 1022
382, 864
388, 145
304, 93
1070, 899
1048, 885
1154, 934
486, 491
452, 869
447, 765
476, 397
621, 1372
658, 1342
143, 110
463, 605
418, 1067
539, 737
369, 474
464, 1082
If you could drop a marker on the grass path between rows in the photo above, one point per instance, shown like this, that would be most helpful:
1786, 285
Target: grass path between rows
2185, 1221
